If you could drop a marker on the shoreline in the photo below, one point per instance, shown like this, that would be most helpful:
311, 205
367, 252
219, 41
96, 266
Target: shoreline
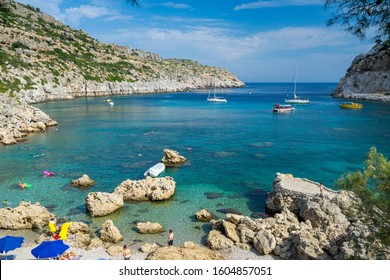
100, 253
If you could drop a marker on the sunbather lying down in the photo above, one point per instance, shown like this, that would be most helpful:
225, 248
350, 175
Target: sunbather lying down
70, 256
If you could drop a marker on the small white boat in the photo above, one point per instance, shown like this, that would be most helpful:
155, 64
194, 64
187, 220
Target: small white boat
280, 108
155, 170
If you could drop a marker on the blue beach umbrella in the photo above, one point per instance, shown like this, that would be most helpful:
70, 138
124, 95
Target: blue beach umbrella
9, 243
49, 249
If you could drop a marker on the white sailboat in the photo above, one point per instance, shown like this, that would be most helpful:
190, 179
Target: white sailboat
297, 99
214, 98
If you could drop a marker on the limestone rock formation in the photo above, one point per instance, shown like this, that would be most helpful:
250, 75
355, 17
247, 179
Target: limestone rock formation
217, 241
149, 247
264, 242
149, 228
305, 225
204, 215
95, 243
83, 181
114, 250
188, 252
25, 216
110, 233
153, 189
101, 204
17, 118
172, 158
368, 77
80, 235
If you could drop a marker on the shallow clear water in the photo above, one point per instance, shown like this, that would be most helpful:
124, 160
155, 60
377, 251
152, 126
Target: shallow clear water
236, 149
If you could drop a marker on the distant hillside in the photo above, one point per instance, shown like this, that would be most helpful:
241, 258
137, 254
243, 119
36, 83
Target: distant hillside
43, 59
368, 77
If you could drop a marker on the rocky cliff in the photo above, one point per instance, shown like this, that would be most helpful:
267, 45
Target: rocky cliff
326, 225
368, 77
42, 59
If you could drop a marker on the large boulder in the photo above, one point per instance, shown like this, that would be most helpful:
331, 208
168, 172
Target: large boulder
189, 251
25, 216
110, 233
230, 230
148, 227
149, 247
264, 242
101, 203
172, 158
83, 181
309, 246
78, 227
217, 241
153, 189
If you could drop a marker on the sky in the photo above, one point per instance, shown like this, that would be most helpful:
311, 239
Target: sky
258, 41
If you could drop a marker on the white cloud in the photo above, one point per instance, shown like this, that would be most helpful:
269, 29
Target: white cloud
263, 54
277, 3
171, 4
73, 15
51, 7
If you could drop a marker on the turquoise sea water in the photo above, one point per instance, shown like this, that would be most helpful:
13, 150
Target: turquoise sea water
236, 149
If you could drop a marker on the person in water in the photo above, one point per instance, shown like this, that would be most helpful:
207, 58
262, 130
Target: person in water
22, 185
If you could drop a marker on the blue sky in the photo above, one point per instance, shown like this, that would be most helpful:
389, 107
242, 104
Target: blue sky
261, 41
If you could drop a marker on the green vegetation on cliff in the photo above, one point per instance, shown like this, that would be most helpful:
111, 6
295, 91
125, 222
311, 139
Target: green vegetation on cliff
372, 186
36, 51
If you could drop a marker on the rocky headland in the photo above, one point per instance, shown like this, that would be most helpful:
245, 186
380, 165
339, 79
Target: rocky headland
368, 77
305, 225
42, 59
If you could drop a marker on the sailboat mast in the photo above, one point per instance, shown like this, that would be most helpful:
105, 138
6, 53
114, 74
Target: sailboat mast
295, 84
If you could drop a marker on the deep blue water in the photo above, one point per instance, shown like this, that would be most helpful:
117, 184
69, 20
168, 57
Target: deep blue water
236, 149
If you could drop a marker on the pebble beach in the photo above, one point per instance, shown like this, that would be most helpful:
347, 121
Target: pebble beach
100, 253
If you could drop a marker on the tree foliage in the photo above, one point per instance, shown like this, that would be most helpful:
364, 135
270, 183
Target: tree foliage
133, 2
358, 16
372, 186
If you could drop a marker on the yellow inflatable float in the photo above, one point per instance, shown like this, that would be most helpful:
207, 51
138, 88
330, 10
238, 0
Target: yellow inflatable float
64, 231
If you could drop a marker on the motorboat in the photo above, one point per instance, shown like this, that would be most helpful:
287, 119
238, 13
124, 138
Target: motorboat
351, 105
155, 170
282, 108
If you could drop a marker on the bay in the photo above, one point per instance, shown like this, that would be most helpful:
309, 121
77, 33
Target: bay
234, 151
